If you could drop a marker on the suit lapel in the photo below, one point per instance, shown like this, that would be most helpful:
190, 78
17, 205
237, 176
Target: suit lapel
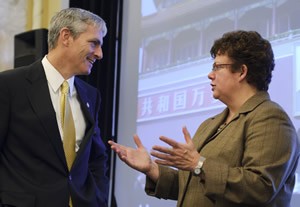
39, 97
87, 110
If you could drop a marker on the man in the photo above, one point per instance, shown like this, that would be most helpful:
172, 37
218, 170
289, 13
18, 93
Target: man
245, 156
35, 167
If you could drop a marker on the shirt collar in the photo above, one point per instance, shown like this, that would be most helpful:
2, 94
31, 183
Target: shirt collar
54, 78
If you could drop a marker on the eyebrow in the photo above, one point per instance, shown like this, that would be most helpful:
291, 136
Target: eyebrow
97, 41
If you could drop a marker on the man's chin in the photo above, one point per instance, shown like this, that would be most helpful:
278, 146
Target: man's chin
86, 72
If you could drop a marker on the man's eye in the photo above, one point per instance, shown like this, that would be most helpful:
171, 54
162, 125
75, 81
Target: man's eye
93, 43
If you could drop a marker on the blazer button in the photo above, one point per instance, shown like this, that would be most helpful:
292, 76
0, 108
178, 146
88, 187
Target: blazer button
70, 177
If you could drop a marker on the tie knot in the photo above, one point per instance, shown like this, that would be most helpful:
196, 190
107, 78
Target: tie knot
65, 87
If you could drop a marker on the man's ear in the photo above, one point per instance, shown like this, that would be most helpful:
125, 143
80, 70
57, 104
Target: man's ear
65, 35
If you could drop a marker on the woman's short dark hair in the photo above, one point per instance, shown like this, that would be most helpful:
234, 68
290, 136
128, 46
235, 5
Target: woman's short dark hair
249, 48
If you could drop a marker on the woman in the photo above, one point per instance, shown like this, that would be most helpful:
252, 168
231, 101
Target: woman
245, 156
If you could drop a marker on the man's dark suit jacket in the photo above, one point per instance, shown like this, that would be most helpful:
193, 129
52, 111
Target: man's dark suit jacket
33, 168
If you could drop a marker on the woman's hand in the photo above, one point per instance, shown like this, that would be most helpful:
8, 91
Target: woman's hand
183, 156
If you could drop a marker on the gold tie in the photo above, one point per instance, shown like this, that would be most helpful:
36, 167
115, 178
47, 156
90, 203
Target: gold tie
67, 124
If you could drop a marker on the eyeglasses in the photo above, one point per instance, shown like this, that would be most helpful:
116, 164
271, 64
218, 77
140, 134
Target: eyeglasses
216, 67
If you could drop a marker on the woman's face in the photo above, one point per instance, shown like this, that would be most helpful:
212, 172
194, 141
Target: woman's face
224, 82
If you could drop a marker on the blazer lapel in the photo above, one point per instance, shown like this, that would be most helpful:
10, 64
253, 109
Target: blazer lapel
39, 97
210, 131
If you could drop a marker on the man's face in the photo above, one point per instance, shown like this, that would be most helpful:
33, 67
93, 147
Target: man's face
85, 50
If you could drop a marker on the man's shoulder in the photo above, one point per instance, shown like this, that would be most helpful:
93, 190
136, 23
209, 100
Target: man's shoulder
20, 70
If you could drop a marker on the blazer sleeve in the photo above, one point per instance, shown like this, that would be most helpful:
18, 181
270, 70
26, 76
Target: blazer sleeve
166, 186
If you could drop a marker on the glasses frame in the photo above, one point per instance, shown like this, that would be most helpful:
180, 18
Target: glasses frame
216, 67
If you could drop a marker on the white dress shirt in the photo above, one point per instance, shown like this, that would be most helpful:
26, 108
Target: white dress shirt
55, 80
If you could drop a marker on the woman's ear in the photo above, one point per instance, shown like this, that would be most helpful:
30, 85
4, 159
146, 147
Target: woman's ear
243, 72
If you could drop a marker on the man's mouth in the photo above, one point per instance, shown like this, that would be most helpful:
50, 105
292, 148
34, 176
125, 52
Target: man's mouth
91, 60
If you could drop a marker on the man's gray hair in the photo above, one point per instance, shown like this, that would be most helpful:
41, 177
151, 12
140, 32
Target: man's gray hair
76, 20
